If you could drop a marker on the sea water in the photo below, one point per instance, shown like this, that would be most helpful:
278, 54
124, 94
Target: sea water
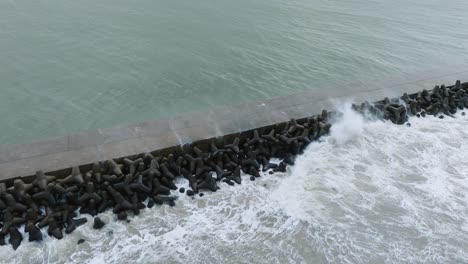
73, 65
370, 192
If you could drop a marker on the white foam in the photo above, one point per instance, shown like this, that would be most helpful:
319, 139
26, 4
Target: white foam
370, 192
394, 193
348, 126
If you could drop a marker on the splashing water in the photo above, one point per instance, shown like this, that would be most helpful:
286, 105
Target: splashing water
349, 125
391, 194
176, 134
371, 192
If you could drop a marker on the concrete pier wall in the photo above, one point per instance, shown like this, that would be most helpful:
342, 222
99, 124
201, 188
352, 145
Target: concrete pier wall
55, 154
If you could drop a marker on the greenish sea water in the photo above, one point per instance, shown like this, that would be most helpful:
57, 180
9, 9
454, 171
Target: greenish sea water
68, 66
370, 192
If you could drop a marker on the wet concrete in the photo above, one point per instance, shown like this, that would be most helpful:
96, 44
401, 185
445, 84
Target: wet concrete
125, 140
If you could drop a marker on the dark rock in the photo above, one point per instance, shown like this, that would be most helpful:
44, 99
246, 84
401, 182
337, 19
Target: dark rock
256, 139
158, 188
236, 177
114, 168
42, 180
254, 172
54, 229
44, 196
74, 178
19, 187
159, 199
269, 166
80, 241
166, 172
270, 137
150, 203
70, 227
139, 186
80, 221
168, 183
153, 170
289, 160
229, 182
119, 199
234, 146
281, 167
13, 204
98, 223
192, 181
214, 150
123, 184
209, 183
122, 215
220, 174
15, 237
34, 232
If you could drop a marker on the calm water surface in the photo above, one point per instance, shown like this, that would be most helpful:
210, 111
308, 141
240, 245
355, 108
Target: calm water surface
68, 66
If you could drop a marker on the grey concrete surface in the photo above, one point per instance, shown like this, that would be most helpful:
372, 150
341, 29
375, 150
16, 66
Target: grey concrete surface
106, 143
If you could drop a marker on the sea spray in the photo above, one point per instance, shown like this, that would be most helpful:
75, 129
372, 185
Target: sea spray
347, 125
197, 165
392, 194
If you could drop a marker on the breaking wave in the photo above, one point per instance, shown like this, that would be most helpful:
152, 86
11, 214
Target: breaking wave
370, 192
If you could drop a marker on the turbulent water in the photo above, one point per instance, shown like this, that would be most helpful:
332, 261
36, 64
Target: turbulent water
370, 192
69, 65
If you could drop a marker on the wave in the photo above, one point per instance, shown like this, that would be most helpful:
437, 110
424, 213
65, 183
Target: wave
370, 192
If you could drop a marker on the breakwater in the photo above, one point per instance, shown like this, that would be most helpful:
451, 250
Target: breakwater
123, 184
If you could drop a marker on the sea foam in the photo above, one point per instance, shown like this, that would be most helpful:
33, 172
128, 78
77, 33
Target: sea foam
370, 192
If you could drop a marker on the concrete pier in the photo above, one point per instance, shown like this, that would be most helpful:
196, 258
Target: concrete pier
57, 153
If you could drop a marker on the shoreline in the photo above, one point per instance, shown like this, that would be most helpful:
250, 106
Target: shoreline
53, 154
135, 182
